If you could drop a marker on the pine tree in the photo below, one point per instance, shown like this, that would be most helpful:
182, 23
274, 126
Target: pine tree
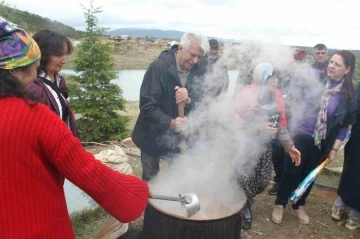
357, 71
93, 95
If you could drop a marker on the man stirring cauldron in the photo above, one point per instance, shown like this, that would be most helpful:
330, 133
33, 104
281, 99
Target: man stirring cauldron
170, 80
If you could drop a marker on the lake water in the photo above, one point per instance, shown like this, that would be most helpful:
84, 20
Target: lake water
76, 199
130, 82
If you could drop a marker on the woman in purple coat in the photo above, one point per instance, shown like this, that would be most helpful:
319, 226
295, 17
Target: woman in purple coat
50, 86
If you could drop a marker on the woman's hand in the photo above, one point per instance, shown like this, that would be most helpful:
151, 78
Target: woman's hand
269, 128
332, 155
295, 155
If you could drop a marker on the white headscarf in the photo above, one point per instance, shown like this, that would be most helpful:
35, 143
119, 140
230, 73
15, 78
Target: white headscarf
264, 71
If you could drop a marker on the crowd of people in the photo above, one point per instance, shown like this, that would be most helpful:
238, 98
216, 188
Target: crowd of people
298, 144
40, 146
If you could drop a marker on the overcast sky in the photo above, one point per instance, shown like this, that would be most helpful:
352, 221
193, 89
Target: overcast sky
336, 23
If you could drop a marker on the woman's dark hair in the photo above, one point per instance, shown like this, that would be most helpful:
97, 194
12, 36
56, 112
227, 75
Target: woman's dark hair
11, 86
349, 61
51, 43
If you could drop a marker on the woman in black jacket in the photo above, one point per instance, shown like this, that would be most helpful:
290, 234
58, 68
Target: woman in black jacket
325, 118
349, 188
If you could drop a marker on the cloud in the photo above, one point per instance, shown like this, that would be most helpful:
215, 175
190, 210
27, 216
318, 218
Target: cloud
303, 22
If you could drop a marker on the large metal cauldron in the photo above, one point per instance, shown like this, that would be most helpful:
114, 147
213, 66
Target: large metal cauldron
161, 225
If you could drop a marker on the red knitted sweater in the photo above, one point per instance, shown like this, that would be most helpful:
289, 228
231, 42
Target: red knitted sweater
36, 152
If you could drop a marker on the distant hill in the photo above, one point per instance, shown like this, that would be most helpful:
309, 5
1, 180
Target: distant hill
32, 22
141, 32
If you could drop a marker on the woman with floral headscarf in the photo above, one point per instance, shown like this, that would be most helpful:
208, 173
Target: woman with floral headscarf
37, 151
326, 115
261, 106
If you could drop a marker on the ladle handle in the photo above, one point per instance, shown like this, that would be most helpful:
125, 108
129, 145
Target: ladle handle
181, 110
167, 198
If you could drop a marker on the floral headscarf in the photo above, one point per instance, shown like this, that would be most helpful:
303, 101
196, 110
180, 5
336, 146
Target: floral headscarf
17, 47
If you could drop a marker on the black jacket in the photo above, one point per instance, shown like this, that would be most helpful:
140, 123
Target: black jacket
349, 188
322, 68
152, 133
344, 115
216, 79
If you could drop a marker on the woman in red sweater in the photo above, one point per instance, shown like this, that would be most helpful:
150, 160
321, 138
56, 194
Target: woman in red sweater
260, 106
35, 156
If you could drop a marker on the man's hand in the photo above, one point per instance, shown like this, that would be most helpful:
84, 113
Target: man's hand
181, 95
179, 124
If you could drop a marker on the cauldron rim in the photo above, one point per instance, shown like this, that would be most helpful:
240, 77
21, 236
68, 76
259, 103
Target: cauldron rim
195, 219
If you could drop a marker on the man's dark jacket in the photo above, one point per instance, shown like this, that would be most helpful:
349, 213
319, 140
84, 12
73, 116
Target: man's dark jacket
152, 132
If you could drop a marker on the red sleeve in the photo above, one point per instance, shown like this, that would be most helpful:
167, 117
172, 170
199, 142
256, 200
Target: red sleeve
281, 106
124, 196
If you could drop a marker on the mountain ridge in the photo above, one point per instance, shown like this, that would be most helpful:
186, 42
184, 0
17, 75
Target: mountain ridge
143, 32
33, 22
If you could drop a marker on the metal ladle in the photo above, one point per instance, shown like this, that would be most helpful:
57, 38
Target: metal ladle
189, 202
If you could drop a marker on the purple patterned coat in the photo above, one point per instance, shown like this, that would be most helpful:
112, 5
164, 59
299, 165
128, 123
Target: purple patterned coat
39, 89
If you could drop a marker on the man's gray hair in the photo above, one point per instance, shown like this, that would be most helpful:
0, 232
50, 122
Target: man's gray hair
185, 41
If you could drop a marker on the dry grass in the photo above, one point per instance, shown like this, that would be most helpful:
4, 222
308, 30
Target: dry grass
88, 221
129, 58
132, 111
135, 58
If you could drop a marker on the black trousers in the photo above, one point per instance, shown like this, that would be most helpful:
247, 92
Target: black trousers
278, 159
293, 175
150, 165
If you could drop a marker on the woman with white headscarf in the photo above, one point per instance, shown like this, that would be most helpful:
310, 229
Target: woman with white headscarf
261, 106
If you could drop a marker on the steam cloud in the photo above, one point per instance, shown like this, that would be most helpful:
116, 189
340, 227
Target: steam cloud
221, 147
